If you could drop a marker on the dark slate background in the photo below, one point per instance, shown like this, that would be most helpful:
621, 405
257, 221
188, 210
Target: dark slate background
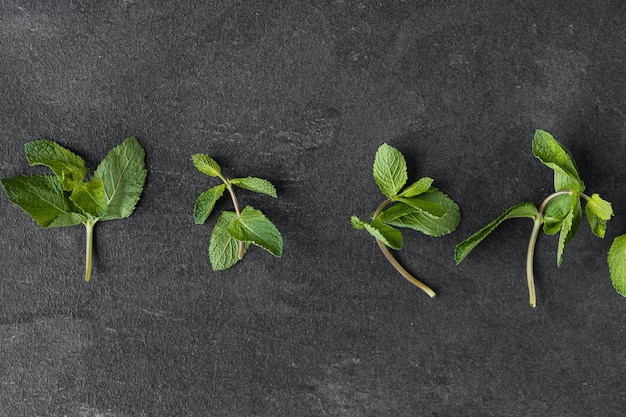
303, 93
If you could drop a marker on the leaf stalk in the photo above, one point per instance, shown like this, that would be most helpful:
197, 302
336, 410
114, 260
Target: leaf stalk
89, 224
233, 197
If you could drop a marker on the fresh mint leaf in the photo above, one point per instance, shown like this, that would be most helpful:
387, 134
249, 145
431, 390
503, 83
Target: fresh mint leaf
388, 235
517, 211
252, 226
402, 215
598, 212
258, 185
617, 264
420, 186
206, 165
205, 203
555, 156
569, 228
41, 196
223, 249
389, 170
123, 174
234, 231
66, 200
68, 167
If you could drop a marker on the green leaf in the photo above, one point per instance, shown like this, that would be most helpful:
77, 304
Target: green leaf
205, 203
68, 219
252, 226
569, 228
68, 167
41, 196
223, 249
389, 170
258, 185
420, 186
90, 197
402, 215
205, 164
554, 155
520, 210
617, 264
556, 211
598, 212
430, 208
388, 235
123, 173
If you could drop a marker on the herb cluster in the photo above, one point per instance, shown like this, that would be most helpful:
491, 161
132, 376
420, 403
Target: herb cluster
67, 198
234, 231
420, 207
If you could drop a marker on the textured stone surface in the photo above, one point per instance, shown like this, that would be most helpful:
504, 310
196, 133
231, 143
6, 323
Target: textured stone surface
302, 93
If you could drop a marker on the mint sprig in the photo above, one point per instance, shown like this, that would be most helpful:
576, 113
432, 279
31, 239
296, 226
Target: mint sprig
560, 212
66, 199
234, 231
419, 206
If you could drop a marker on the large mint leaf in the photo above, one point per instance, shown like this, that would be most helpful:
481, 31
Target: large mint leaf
388, 235
389, 170
68, 167
223, 249
123, 173
520, 210
617, 264
90, 197
554, 155
258, 185
402, 215
206, 202
205, 164
252, 226
41, 196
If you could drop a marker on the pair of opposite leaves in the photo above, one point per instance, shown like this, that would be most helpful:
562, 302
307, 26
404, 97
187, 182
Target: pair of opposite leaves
422, 207
67, 198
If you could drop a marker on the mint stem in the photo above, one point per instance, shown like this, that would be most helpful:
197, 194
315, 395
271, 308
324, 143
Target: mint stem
231, 191
530, 277
89, 224
394, 262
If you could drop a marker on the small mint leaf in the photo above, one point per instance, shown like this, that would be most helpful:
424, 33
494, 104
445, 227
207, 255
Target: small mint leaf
569, 228
206, 202
205, 164
420, 186
388, 235
555, 156
258, 185
90, 197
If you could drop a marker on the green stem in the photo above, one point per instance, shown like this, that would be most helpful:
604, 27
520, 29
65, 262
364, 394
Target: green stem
394, 262
89, 224
231, 191
530, 255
